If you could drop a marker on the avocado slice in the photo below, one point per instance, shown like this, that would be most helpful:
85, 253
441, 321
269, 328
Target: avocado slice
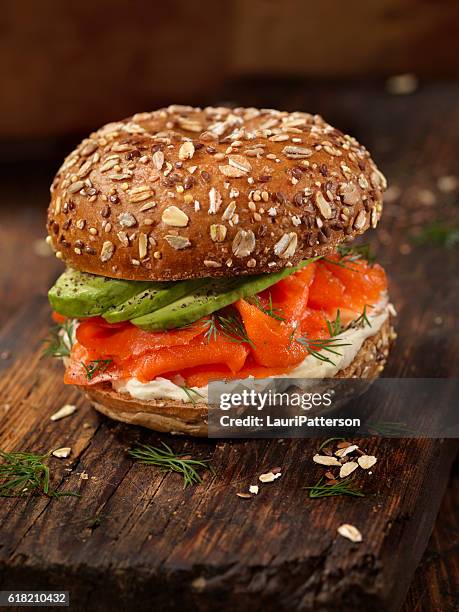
79, 294
212, 296
157, 295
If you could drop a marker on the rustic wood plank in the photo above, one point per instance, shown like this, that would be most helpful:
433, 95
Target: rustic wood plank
150, 543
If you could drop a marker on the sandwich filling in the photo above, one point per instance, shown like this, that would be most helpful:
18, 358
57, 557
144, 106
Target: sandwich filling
169, 340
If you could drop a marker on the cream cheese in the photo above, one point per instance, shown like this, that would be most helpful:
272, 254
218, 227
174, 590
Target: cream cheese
310, 367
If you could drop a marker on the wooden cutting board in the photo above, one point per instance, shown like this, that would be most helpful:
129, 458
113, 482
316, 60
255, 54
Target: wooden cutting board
135, 537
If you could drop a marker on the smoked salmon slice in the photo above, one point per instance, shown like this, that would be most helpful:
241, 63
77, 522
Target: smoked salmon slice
273, 321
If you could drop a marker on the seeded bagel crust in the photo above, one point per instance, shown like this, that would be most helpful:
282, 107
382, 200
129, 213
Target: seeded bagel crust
173, 416
185, 192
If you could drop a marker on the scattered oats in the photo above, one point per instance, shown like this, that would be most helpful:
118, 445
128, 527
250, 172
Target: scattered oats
186, 151
325, 460
363, 181
147, 206
243, 243
240, 162
84, 476
218, 232
231, 171
349, 193
74, 187
42, 248
342, 452
107, 251
215, 200
62, 453
63, 412
123, 238
402, 84
286, 246
426, 197
158, 159
143, 245
348, 468
253, 489
210, 263
139, 194
109, 164
405, 249
126, 219
296, 221
448, 184
229, 211
293, 152
323, 206
269, 477
360, 220
392, 194
350, 532
244, 495
366, 461
176, 242
175, 217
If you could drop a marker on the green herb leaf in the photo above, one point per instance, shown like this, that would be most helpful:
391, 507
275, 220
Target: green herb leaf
438, 233
167, 460
328, 441
95, 366
343, 487
24, 474
269, 310
315, 347
361, 321
389, 429
59, 341
334, 327
192, 394
356, 252
233, 328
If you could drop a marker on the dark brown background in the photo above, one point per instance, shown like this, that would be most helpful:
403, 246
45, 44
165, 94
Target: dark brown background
68, 67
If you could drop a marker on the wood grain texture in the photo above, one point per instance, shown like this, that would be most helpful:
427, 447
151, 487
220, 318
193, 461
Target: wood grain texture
135, 537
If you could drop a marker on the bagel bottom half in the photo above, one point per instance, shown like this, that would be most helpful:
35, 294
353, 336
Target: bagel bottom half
172, 416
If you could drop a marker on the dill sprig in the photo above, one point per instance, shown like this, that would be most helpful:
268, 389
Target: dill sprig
210, 325
342, 487
233, 328
356, 252
361, 320
329, 441
389, 429
24, 474
192, 394
438, 233
168, 461
314, 347
59, 341
335, 327
268, 310
95, 366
